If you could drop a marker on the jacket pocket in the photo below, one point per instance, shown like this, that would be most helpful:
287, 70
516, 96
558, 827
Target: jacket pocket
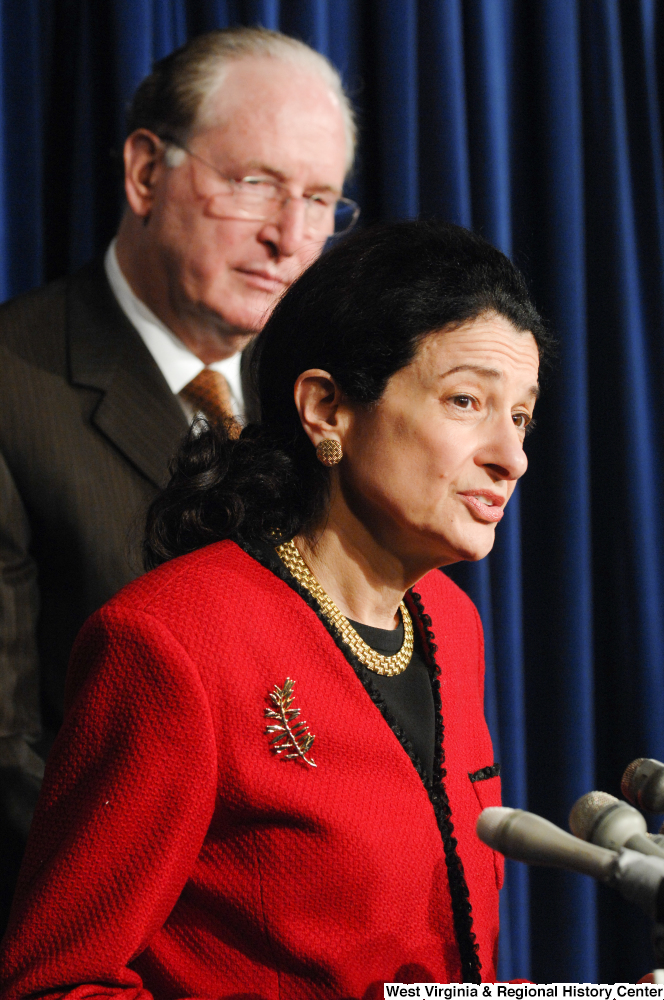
487, 790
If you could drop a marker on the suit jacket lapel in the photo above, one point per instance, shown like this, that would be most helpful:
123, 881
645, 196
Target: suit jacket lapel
137, 411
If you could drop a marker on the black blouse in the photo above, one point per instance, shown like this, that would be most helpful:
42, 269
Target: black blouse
408, 695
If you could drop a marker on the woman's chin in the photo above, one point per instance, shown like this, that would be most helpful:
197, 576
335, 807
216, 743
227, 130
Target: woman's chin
472, 549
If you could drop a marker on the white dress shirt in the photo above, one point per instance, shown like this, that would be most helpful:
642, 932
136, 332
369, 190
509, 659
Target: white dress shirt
176, 362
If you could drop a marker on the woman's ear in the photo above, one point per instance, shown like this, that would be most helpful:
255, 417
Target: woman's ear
321, 406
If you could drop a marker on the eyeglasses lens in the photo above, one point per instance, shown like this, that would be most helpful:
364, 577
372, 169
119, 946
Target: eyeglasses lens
345, 216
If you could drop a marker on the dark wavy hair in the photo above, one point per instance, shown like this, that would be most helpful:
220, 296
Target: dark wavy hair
359, 313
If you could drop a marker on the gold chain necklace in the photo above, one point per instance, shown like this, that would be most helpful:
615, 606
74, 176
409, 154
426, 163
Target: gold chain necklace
388, 666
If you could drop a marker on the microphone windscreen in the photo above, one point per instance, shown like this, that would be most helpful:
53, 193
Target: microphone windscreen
586, 810
643, 784
626, 781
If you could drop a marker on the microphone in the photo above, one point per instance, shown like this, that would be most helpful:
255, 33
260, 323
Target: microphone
643, 784
524, 836
604, 820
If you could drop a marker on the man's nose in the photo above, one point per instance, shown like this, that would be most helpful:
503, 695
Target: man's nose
287, 230
502, 451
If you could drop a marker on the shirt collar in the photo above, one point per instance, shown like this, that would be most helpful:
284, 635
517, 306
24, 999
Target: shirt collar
176, 362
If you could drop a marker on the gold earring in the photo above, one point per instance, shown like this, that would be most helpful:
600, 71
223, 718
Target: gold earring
329, 452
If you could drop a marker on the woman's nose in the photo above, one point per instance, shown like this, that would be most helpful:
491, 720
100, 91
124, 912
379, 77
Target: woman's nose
503, 450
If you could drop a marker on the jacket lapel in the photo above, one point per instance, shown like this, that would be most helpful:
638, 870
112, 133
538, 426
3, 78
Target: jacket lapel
137, 411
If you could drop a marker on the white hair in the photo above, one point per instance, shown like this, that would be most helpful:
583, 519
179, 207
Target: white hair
173, 99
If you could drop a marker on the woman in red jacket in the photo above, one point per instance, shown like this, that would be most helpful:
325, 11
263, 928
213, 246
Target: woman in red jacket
274, 751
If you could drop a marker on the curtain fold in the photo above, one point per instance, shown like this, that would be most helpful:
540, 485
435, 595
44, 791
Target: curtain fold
538, 125
21, 147
569, 633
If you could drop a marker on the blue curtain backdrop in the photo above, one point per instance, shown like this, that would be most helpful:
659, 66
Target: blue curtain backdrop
537, 123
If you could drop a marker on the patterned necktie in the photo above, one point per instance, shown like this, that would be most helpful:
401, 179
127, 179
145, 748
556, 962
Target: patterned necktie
209, 394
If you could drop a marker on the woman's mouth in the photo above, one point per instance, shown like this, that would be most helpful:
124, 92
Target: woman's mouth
487, 507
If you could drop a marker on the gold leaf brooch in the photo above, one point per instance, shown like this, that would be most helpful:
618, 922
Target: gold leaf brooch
291, 736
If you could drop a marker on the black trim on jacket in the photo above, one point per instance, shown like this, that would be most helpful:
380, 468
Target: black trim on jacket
435, 788
484, 773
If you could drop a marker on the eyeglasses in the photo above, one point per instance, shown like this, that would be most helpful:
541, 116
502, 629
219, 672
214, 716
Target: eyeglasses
259, 199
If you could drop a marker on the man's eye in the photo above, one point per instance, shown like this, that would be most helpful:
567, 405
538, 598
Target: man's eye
256, 182
324, 199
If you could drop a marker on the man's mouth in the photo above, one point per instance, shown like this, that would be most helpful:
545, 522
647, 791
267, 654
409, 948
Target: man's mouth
264, 280
486, 505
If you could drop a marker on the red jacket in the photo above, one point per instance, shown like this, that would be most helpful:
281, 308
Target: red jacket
174, 854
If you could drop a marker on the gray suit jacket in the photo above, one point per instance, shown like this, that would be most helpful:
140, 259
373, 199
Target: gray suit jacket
88, 425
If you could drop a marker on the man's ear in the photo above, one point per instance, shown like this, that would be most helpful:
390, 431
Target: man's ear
143, 158
321, 406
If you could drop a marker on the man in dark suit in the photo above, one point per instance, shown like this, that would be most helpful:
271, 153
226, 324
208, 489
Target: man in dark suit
237, 150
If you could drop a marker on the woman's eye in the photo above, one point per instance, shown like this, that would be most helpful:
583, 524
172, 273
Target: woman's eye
463, 402
522, 420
